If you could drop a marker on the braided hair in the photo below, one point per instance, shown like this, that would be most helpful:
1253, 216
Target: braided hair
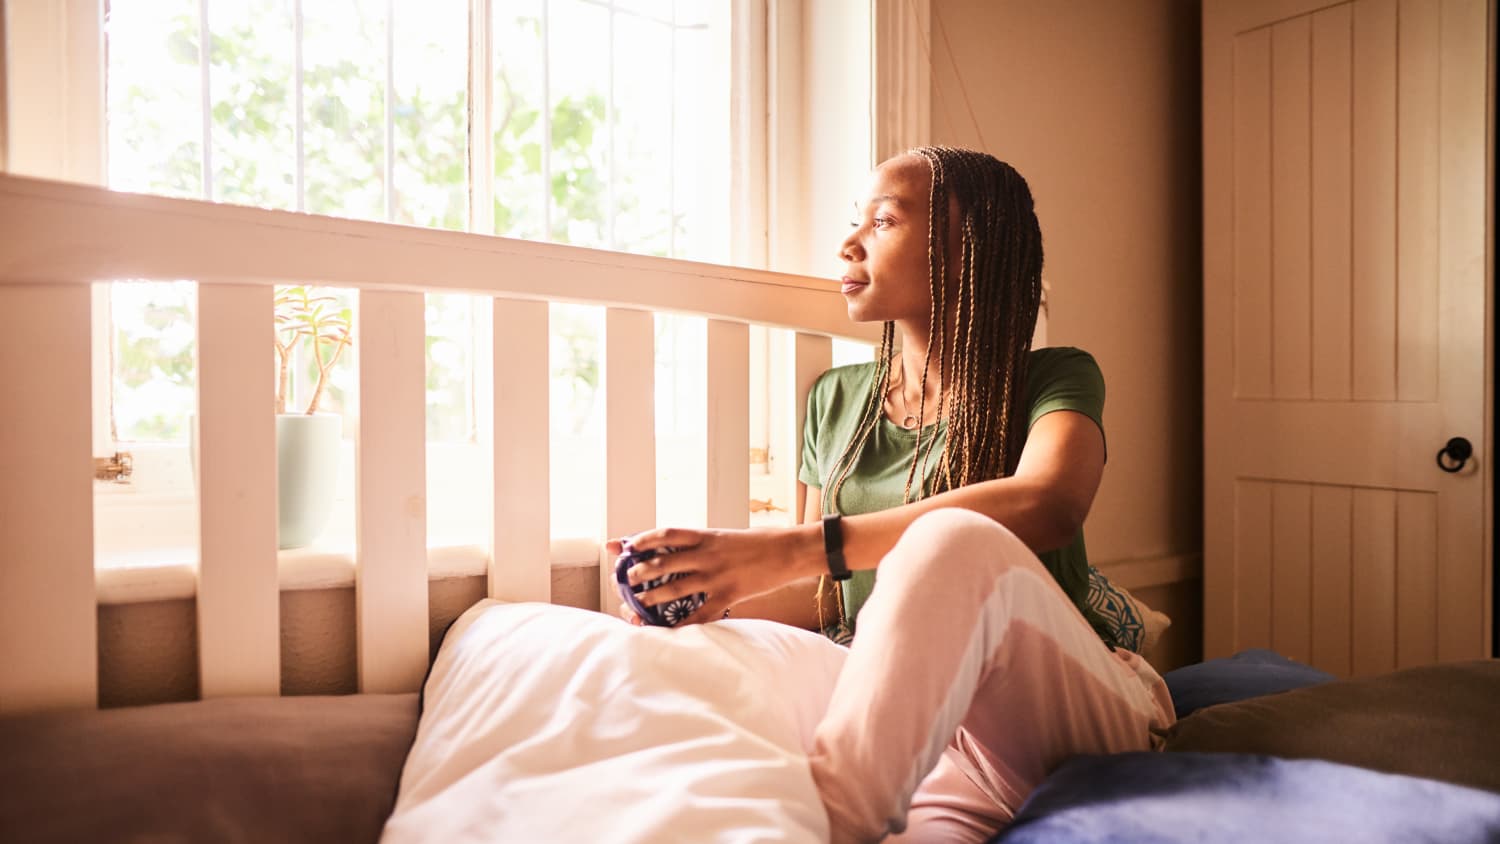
994, 299
994, 303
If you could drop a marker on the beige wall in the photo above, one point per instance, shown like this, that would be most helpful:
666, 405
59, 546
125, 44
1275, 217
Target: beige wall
1096, 102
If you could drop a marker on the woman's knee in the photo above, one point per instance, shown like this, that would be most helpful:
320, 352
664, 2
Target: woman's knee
953, 536
956, 527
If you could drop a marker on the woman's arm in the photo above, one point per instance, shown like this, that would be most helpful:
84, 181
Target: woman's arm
1044, 503
795, 603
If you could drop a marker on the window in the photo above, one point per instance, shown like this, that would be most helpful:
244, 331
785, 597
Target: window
600, 123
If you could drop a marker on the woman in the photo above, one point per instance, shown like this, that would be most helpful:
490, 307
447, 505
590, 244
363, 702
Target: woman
960, 468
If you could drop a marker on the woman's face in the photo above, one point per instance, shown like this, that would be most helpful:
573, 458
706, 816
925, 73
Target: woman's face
885, 255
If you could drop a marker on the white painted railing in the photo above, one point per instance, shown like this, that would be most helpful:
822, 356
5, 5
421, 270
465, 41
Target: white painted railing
57, 238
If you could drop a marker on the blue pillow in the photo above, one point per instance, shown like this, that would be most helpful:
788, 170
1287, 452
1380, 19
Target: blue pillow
1227, 798
1247, 674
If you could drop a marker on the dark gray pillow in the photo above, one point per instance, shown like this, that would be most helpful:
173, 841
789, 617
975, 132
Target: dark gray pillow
1437, 722
229, 769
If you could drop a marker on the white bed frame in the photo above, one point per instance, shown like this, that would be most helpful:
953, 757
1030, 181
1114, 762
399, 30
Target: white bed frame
56, 239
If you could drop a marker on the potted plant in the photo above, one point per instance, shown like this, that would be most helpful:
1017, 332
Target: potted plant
307, 441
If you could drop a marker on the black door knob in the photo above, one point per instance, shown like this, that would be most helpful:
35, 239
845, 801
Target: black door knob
1455, 454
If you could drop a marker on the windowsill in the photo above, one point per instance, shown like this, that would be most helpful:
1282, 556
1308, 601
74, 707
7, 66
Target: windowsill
167, 573
146, 532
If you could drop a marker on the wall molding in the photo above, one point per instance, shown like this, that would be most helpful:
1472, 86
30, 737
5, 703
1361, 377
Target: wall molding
900, 76
4, 108
750, 141
54, 97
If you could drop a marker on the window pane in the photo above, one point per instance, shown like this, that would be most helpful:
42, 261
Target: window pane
251, 79
661, 9
577, 421
700, 148
643, 135
578, 34
681, 430
344, 107
450, 367
846, 352
774, 462
632, 152
516, 119
155, 374
430, 114
154, 111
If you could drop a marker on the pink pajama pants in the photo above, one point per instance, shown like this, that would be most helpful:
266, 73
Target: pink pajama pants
971, 677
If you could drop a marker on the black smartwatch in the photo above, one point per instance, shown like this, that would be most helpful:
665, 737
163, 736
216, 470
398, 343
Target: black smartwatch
833, 546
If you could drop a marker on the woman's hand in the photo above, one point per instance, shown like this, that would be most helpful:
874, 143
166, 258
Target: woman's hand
730, 566
627, 612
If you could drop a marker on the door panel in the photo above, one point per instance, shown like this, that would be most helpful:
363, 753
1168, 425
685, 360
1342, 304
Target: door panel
1252, 570
1330, 179
1291, 570
1417, 206
1332, 578
1416, 581
1345, 320
1374, 592
1291, 201
1252, 214
1373, 252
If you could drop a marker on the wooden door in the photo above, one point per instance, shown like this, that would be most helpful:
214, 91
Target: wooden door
1345, 319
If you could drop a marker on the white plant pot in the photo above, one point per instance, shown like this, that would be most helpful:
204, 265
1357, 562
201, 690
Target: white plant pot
307, 468
307, 471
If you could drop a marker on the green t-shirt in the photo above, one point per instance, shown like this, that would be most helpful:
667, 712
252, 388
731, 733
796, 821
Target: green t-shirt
1056, 379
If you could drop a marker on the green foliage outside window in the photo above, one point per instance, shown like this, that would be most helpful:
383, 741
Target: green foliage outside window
253, 157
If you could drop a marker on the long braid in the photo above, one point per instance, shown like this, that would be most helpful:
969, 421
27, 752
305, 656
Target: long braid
867, 421
842, 466
994, 300
937, 269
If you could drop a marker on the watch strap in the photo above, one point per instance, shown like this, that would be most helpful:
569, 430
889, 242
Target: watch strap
833, 547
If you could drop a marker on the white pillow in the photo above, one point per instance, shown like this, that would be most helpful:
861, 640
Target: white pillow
550, 723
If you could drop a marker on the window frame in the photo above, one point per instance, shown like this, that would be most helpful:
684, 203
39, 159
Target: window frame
748, 59
57, 55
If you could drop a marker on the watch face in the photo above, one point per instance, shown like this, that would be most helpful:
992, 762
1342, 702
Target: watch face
668, 614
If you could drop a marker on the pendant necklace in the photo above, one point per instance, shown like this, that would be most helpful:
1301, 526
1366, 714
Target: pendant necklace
910, 420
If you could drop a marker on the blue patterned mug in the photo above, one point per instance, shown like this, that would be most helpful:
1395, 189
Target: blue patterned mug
669, 614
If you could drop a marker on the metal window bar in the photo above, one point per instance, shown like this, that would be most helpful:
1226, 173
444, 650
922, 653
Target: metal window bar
299, 183
546, 120
609, 129
481, 184
481, 102
205, 46
672, 137
390, 110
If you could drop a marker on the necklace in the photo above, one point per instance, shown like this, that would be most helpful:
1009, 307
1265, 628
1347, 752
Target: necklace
909, 421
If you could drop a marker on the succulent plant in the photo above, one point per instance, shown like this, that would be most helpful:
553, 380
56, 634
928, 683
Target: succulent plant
304, 316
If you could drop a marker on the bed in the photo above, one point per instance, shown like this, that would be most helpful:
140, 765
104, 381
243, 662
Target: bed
246, 763
1267, 749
